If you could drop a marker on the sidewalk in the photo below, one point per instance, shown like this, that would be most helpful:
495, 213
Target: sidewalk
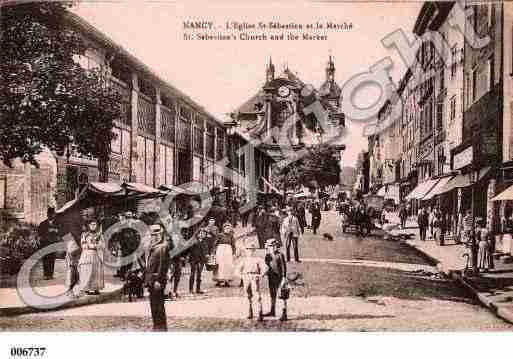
493, 289
11, 303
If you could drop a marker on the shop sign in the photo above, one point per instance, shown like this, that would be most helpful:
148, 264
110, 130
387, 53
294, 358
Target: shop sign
426, 149
464, 158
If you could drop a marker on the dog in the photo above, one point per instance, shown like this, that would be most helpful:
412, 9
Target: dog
134, 284
327, 236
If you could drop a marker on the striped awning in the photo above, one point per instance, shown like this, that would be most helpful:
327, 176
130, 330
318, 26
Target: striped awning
438, 188
422, 189
506, 195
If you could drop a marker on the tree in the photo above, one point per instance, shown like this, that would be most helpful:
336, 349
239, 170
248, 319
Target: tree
46, 97
320, 165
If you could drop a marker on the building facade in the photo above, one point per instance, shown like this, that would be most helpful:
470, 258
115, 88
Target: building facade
163, 137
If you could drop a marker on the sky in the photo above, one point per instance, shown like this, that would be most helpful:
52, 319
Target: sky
221, 75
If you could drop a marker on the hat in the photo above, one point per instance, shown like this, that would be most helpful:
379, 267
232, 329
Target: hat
155, 229
271, 242
252, 245
227, 224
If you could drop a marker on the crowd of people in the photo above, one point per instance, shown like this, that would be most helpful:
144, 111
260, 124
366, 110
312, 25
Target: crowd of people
433, 225
276, 228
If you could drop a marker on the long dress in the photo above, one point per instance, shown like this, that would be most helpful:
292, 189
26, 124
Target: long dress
224, 258
90, 265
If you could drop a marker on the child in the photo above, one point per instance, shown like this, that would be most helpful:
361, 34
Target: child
251, 269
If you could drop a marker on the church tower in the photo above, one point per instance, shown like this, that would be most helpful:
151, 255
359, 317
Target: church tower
269, 71
330, 71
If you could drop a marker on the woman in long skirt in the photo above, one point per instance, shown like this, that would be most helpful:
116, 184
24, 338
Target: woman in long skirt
90, 265
224, 257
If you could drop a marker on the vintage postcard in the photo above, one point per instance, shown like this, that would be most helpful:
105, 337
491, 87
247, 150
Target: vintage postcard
256, 166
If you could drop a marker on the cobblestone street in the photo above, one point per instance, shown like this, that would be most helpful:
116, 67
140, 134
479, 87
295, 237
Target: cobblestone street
351, 283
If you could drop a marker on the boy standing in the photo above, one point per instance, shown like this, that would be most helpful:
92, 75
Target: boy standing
276, 273
252, 269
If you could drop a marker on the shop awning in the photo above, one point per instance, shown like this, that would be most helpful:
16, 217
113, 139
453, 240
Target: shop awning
381, 192
462, 180
422, 189
438, 188
506, 195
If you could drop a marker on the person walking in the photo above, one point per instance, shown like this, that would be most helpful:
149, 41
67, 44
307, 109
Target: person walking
48, 232
438, 226
260, 223
301, 216
197, 260
422, 221
90, 265
316, 216
276, 274
290, 233
155, 277
403, 215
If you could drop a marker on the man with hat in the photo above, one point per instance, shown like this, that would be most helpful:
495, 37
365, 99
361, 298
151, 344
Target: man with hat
251, 270
48, 232
276, 274
155, 277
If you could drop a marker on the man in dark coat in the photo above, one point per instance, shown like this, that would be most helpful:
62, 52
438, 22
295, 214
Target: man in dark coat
276, 273
197, 259
301, 216
260, 222
49, 233
155, 277
422, 221
316, 216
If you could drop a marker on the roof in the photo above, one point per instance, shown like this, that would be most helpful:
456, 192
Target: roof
89, 30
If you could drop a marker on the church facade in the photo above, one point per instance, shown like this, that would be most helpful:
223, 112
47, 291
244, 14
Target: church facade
282, 118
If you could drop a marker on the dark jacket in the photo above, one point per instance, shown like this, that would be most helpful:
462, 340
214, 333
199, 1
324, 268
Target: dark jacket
49, 233
157, 265
277, 265
198, 252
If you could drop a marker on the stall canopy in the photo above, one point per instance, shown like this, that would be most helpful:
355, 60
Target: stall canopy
506, 195
438, 188
97, 193
462, 180
422, 189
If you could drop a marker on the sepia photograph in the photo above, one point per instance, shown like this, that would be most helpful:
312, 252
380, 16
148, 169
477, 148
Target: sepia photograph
255, 166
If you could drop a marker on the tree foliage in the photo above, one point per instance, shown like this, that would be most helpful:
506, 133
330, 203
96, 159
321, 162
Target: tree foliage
46, 97
320, 165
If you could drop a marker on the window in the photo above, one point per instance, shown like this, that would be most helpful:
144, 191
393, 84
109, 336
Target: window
439, 115
86, 62
166, 164
452, 113
116, 141
442, 78
146, 160
489, 12
454, 61
491, 73
474, 85
3, 187
121, 144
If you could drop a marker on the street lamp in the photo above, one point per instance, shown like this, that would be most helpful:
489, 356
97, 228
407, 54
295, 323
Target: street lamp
473, 176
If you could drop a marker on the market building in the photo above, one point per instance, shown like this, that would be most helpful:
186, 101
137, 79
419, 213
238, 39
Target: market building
163, 137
